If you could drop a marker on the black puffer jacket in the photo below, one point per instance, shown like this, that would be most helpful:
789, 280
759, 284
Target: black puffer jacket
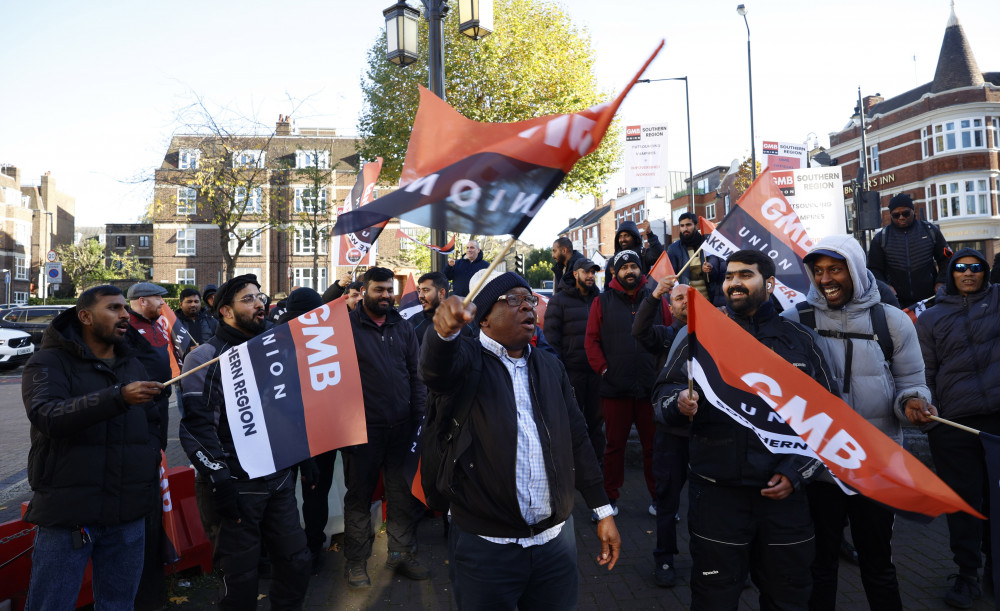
911, 260
648, 255
960, 340
93, 457
566, 323
562, 274
722, 450
202, 328
483, 492
390, 380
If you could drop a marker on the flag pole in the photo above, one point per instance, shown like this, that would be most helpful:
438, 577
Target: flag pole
681, 270
967, 429
489, 270
190, 371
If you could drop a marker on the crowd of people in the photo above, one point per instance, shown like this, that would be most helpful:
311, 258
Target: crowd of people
520, 420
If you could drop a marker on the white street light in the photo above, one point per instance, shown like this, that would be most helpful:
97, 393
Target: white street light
401, 33
475, 18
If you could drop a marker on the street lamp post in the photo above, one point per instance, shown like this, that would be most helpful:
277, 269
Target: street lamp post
475, 21
45, 290
6, 280
742, 10
687, 104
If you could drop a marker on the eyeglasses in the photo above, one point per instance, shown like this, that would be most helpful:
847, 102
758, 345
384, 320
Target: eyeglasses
248, 299
975, 268
515, 301
902, 214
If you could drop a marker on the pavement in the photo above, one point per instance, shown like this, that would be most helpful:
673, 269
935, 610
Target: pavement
923, 561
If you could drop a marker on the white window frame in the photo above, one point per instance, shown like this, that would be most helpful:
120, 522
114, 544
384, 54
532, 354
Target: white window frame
962, 134
187, 159
20, 268
256, 199
144, 241
251, 248
305, 243
242, 271
305, 203
995, 124
954, 197
187, 242
187, 200
186, 275
20, 297
22, 233
312, 159
302, 276
249, 158
873, 160
710, 211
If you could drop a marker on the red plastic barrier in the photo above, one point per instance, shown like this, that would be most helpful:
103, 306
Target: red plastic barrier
191, 544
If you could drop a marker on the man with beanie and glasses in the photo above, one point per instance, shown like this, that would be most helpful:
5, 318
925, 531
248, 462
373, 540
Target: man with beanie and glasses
522, 450
910, 255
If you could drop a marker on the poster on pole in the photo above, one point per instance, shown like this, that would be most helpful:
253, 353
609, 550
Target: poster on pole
817, 196
646, 155
783, 155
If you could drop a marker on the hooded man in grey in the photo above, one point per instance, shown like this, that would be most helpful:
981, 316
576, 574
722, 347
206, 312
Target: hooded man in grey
841, 301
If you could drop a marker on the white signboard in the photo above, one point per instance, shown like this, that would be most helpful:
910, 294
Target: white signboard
817, 195
783, 155
53, 273
646, 155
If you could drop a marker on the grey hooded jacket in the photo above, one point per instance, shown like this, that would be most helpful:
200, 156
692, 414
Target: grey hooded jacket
878, 388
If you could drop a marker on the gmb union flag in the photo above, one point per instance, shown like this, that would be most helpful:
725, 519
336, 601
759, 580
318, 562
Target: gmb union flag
763, 220
464, 176
294, 391
792, 414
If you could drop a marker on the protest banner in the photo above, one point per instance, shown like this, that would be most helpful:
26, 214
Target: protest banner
816, 195
646, 155
180, 339
409, 302
294, 391
783, 155
792, 414
359, 247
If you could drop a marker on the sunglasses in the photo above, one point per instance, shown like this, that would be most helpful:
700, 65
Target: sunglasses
902, 214
975, 268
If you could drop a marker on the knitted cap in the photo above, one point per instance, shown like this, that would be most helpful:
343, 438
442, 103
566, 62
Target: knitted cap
903, 200
498, 285
623, 257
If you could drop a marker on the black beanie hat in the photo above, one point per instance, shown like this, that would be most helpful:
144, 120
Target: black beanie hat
495, 287
228, 290
623, 257
903, 200
302, 300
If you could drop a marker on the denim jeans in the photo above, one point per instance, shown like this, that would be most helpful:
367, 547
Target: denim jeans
57, 569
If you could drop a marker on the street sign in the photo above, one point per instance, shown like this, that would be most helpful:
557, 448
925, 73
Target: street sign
6, 278
51, 256
53, 272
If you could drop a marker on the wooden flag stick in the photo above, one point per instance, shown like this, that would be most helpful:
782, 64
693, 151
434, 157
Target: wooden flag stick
489, 270
967, 429
187, 373
681, 270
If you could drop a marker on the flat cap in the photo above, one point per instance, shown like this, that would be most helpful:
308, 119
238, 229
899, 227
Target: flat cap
145, 289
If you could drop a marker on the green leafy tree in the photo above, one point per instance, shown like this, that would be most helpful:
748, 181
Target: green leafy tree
538, 273
535, 63
85, 264
744, 178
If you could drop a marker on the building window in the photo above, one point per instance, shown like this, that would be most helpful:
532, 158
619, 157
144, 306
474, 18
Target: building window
185, 276
119, 241
305, 200
729, 204
873, 162
256, 196
303, 276
927, 142
996, 133
958, 135
187, 159
312, 159
20, 297
963, 198
710, 211
250, 247
187, 200
144, 241
248, 159
22, 233
20, 268
186, 241
242, 271
305, 244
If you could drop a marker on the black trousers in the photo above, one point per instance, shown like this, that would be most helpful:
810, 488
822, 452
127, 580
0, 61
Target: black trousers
960, 462
587, 386
871, 530
670, 460
315, 502
735, 530
386, 450
268, 515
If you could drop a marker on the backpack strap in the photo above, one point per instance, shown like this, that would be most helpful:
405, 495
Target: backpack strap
881, 328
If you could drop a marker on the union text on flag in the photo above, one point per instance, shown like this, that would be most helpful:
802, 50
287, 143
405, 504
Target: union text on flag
791, 413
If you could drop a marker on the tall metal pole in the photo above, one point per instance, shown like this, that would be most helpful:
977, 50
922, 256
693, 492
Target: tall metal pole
753, 139
687, 104
436, 11
859, 234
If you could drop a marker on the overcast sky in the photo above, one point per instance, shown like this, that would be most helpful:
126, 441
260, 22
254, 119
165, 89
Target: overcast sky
91, 90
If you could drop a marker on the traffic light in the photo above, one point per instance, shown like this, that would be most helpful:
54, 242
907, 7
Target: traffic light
519, 264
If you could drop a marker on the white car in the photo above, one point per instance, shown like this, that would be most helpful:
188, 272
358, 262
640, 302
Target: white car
15, 348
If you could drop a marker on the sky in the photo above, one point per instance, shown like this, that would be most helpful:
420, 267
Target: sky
92, 90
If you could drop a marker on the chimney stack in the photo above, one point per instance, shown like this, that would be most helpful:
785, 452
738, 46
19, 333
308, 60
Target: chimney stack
284, 126
871, 100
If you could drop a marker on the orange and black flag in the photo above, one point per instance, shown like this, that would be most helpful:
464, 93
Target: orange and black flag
791, 413
485, 178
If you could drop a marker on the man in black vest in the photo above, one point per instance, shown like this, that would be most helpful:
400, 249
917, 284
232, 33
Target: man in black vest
627, 370
912, 256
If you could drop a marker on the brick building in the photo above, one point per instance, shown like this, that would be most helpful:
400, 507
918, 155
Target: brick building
119, 237
592, 233
15, 237
706, 202
938, 142
278, 180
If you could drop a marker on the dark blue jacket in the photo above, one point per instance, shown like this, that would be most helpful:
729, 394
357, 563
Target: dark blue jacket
462, 272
